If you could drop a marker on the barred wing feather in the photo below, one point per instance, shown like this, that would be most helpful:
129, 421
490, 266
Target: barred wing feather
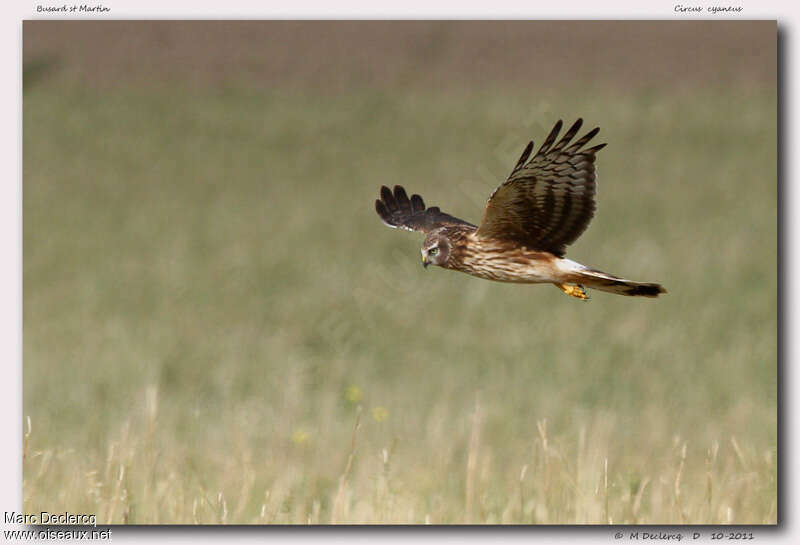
547, 201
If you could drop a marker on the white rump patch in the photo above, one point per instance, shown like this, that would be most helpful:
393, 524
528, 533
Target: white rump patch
567, 266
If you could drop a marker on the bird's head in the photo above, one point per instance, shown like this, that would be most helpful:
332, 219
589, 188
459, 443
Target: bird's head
435, 249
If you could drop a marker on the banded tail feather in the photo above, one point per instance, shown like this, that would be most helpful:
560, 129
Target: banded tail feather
592, 278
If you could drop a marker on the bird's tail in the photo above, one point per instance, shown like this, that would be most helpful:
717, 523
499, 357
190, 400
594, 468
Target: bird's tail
592, 278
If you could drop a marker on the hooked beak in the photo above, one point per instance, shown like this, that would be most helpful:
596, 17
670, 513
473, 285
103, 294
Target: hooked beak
425, 261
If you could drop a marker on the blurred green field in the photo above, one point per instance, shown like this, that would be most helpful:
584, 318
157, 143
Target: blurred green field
218, 329
210, 302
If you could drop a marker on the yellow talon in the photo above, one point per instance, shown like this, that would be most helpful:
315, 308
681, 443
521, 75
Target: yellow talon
575, 291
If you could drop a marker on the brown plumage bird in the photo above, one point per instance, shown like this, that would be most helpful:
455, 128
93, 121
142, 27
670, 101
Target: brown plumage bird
530, 219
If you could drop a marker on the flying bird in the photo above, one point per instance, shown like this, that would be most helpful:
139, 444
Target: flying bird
545, 204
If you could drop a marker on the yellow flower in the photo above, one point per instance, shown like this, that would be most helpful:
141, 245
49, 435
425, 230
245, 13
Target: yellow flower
380, 414
300, 436
353, 394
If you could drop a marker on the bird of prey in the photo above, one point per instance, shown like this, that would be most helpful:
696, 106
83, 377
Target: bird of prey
544, 205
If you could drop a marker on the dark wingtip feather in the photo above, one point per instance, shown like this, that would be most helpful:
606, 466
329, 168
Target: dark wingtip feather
400, 197
596, 148
568, 136
574, 148
551, 137
572, 131
525, 154
388, 198
576, 126
556, 129
417, 204
381, 209
591, 134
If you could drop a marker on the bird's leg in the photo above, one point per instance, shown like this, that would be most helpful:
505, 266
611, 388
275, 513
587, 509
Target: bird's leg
575, 291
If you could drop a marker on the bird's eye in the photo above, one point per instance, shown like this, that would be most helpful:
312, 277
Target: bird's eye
433, 251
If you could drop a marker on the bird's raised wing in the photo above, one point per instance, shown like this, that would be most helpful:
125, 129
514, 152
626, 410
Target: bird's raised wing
397, 210
547, 202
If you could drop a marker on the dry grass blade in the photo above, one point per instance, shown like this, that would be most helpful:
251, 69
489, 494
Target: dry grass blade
605, 492
337, 504
541, 426
677, 487
637, 501
472, 462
